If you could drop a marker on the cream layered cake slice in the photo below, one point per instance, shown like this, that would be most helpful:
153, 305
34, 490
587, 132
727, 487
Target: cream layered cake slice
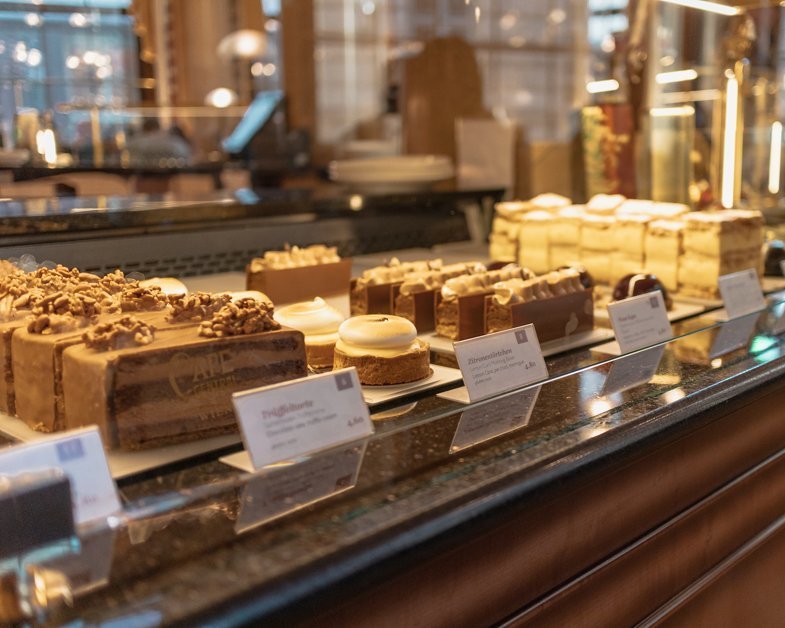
147, 388
597, 246
416, 296
663, 249
565, 235
557, 304
629, 235
372, 292
505, 228
718, 243
460, 313
534, 241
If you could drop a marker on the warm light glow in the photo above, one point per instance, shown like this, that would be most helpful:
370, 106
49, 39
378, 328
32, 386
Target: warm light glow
77, 20
729, 143
599, 405
600, 87
46, 145
72, 62
33, 19
243, 44
663, 78
697, 95
674, 395
671, 112
775, 159
705, 5
356, 202
34, 57
220, 97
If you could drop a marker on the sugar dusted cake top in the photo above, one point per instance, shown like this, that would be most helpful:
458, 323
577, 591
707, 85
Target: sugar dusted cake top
550, 201
604, 203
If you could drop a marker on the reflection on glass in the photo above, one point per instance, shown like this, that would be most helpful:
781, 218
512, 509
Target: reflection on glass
632, 371
775, 319
706, 347
490, 420
734, 334
280, 490
89, 568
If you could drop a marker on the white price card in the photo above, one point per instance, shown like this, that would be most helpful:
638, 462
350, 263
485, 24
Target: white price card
495, 363
292, 419
640, 321
80, 455
741, 293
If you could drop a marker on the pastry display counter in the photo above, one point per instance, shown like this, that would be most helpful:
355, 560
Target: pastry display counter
541, 505
100, 234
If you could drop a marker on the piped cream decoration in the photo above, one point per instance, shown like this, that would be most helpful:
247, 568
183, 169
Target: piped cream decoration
316, 319
553, 284
481, 282
435, 279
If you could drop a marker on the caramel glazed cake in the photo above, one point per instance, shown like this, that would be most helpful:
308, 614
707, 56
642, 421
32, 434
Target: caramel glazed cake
384, 349
150, 369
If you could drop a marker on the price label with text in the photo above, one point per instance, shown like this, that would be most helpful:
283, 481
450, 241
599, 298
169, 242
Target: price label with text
293, 419
640, 321
496, 363
741, 293
80, 455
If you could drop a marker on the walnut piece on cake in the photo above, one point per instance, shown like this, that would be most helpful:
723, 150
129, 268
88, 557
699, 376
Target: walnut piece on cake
246, 316
196, 307
127, 331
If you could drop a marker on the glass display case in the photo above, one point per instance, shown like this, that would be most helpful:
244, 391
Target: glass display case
623, 487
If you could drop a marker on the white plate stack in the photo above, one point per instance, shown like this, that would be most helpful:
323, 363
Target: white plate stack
397, 174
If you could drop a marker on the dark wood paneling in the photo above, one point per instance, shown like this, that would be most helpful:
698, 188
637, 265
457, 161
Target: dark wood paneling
499, 567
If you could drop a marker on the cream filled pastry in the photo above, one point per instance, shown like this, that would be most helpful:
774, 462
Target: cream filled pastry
383, 348
319, 322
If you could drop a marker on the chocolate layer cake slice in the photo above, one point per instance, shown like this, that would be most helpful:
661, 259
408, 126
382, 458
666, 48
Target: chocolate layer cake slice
460, 313
373, 292
146, 389
556, 304
415, 298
